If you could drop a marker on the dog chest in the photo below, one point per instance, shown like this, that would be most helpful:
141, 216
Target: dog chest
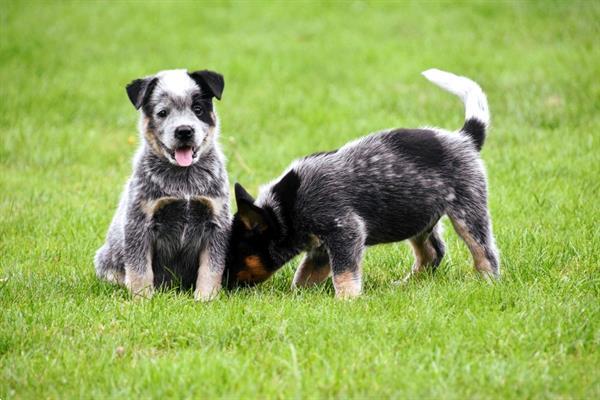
179, 228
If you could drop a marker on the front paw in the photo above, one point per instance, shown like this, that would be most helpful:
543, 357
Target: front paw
141, 286
347, 285
145, 292
208, 282
206, 294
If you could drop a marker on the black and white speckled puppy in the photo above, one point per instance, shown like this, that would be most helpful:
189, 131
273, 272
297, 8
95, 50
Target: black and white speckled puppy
385, 187
173, 220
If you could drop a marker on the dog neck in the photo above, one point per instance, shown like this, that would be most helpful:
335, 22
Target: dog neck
199, 177
286, 243
279, 200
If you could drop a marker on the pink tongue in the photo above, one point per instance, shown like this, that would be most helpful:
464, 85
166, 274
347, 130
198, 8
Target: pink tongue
183, 156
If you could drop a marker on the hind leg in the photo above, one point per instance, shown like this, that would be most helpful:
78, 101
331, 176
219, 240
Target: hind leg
428, 249
314, 268
109, 266
475, 228
345, 246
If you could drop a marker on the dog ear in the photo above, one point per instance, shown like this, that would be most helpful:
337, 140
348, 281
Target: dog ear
209, 81
139, 90
252, 216
241, 195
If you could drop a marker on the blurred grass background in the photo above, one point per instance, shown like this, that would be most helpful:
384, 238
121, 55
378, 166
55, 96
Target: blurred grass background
302, 77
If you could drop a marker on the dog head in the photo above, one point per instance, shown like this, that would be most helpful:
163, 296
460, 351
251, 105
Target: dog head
178, 120
253, 234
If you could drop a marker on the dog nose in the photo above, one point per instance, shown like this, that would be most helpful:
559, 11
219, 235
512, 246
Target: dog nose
184, 132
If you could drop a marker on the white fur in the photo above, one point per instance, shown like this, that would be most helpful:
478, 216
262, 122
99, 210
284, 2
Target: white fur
476, 105
177, 81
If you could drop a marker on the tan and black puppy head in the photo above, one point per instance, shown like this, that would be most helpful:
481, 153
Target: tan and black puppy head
178, 119
254, 229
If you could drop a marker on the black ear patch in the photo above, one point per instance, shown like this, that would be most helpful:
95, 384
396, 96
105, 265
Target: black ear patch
252, 216
241, 195
209, 81
286, 190
140, 90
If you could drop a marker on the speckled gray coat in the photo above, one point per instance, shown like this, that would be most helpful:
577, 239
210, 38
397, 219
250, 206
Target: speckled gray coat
173, 220
386, 187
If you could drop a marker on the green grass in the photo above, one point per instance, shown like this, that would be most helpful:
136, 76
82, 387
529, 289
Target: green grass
302, 77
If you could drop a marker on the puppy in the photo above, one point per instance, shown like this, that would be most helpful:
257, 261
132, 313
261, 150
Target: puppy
173, 220
386, 187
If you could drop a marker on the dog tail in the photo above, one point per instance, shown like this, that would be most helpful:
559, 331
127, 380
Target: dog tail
477, 114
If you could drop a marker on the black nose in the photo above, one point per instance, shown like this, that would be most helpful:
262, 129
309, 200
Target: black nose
184, 132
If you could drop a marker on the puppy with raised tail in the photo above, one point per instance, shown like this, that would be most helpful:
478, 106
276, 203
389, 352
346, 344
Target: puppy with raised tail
173, 219
386, 187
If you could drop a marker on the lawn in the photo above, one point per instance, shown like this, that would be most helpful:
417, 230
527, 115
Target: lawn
302, 77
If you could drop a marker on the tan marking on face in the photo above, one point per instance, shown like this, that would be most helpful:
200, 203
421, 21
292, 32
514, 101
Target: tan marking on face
347, 285
255, 265
151, 136
247, 224
482, 264
310, 274
208, 282
254, 270
251, 224
211, 130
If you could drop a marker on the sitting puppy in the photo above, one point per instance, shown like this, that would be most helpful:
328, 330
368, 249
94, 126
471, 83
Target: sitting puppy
385, 187
173, 219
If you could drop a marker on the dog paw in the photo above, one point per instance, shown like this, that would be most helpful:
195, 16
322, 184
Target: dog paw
347, 285
208, 282
490, 277
206, 295
142, 293
141, 286
115, 277
346, 295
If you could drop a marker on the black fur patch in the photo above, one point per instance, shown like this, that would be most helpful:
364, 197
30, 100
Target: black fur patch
211, 83
140, 90
285, 192
475, 129
134, 89
439, 247
420, 145
243, 244
256, 220
202, 108
146, 105
246, 243
175, 263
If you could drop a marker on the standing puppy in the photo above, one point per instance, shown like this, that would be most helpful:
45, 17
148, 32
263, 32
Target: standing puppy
173, 219
386, 187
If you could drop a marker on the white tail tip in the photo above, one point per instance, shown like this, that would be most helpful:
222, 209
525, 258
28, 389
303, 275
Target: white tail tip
469, 92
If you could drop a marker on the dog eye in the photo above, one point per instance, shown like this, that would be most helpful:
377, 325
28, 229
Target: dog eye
198, 109
162, 113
